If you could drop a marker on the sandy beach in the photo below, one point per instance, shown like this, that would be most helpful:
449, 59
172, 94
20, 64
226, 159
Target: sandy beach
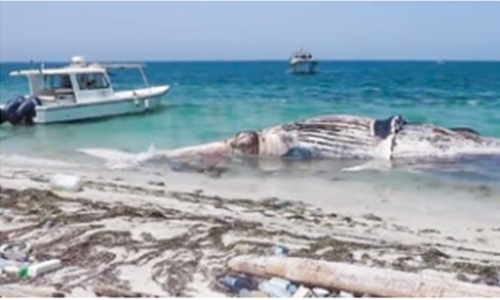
171, 234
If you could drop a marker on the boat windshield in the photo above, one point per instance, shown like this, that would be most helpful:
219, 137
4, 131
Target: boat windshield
92, 81
55, 82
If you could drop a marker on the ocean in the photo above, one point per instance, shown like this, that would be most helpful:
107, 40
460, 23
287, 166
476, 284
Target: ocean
213, 100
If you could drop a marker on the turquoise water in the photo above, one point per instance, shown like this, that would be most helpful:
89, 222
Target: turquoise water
213, 100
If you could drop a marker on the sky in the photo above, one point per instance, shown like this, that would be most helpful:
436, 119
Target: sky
169, 31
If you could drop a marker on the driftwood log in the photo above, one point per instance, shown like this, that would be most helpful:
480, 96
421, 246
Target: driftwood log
114, 292
359, 279
20, 291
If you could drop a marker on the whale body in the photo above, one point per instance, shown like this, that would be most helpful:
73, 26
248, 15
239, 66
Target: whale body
329, 137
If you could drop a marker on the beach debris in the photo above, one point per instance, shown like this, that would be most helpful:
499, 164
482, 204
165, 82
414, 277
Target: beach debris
104, 290
242, 248
280, 204
40, 268
343, 294
15, 259
433, 255
283, 284
281, 250
372, 217
27, 270
4, 263
320, 292
64, 182
353, 279
18, 251
17, 291
244, 293
303, 292
273, 290
235, 283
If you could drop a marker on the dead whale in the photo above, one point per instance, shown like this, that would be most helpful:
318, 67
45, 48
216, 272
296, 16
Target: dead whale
327, 137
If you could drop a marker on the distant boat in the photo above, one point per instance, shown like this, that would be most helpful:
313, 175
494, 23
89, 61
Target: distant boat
302, 62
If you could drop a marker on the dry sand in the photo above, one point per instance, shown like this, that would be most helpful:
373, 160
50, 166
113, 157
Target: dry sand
171, 234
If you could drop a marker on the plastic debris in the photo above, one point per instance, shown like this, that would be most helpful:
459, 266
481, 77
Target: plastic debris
303, 292
343, 294
244, 293
65, 182
281, 250
15, 251
236, 284
43, 267
320, 292
273, 290
3, 263
280, 204
283, 284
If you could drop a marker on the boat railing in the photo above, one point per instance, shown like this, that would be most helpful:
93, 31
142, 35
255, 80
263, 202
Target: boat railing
140, 67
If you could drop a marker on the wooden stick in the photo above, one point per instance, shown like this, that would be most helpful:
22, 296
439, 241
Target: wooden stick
359, 279
111, 291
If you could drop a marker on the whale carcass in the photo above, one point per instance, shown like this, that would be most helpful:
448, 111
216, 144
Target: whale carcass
329, 137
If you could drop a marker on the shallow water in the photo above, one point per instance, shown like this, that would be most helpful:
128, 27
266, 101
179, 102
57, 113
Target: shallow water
214, 100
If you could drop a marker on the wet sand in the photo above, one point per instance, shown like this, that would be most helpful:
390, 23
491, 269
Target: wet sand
172, 234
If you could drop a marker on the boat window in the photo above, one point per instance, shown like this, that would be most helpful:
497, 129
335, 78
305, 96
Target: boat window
92, 81
54, 82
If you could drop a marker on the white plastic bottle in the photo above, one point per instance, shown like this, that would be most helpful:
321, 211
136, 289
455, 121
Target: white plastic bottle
65, 182
43, 267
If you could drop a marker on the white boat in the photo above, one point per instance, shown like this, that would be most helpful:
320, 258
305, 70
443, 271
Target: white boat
79, 91
302, 62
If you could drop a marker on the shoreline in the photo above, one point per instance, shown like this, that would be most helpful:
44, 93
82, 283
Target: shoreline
171, 234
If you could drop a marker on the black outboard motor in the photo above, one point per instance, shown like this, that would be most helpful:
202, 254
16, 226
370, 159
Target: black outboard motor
20, 109
27, 109
3, 116
11, 110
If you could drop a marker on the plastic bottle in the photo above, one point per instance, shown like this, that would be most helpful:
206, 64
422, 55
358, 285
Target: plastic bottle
66, 182
236, 284
244, 293
303, 292
31, 271
320, 292
281, 250
283, 284
273, 290
3, 263
43, 267
343, 294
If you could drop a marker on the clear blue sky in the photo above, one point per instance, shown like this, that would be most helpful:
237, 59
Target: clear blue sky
249, 30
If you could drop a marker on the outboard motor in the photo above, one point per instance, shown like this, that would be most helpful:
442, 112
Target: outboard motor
11, 110
20, 109
3, 116
27, 109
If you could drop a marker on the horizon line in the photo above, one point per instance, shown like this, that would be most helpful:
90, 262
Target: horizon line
257, 60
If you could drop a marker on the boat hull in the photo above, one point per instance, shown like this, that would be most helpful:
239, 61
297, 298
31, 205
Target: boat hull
95, 110
303, 67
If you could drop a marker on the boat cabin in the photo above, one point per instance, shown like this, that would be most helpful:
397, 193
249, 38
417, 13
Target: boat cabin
76, 83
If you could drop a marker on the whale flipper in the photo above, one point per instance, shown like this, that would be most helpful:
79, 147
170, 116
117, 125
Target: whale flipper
120, 160
107, 154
